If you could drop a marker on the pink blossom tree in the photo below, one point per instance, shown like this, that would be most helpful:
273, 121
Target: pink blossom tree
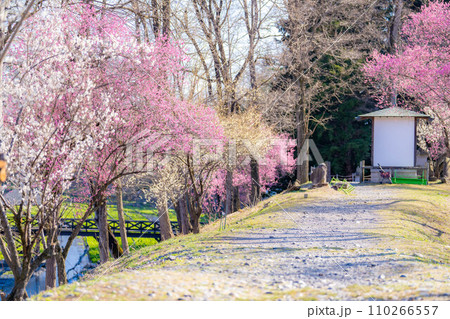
136, 79
49, 127
275, 161
419, 72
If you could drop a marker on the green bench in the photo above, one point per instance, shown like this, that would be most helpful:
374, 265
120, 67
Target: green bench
399, 179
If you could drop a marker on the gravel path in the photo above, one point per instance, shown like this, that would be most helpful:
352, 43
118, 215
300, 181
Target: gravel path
329, 248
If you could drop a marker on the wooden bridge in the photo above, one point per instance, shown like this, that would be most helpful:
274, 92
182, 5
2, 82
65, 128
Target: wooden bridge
135, 228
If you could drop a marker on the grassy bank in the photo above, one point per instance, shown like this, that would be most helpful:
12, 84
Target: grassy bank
414, 227
418, 224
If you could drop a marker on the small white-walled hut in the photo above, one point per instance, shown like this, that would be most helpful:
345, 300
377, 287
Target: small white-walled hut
394, 143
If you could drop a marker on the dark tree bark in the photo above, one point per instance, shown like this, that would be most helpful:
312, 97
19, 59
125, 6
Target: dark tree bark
52, 241
395, 26
50, 264
8, 248
229, 192
186, 226
394, 36
61, 263
155, 18
195, 211
177, 212
446, 170
114, 247
28, 268
123, 230
302, 138
101, 220
255, 194
161, 13
137, 19
195, 221
18, 292
236, 199
166, 17
163, 216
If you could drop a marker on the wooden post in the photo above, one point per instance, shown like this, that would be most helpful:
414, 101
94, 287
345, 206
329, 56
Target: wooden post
328, 163
362, 164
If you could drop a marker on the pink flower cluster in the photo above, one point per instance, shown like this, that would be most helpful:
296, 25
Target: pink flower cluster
419, 72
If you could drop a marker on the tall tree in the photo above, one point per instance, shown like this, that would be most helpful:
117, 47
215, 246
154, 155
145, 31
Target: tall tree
213, 29
319, 37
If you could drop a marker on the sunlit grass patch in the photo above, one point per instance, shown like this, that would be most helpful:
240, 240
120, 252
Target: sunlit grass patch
418, 224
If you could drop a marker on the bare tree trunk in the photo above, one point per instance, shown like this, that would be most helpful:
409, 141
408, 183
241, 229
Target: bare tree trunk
302, 144
52, 241
229, 192
20, 282
50, 273
50, 264
236, 199
123, 230
9, 251
114, 246
395, 27
101, 219
166, 17
302, 160
196, 226
61, 263
394, 34
194, 213
186, 226
18, 292
195, 221
137, 20
182, 216
255, 194
163, 216
446, 170
29, 266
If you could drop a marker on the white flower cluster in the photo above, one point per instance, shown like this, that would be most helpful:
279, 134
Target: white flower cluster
54, 117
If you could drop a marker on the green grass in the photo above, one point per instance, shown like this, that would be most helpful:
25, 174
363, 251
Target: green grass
133, 244
131, 211
93, 253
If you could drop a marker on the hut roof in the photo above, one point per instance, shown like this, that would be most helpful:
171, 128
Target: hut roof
393, 112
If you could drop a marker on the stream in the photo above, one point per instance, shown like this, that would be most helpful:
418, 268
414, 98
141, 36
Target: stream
76, 263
